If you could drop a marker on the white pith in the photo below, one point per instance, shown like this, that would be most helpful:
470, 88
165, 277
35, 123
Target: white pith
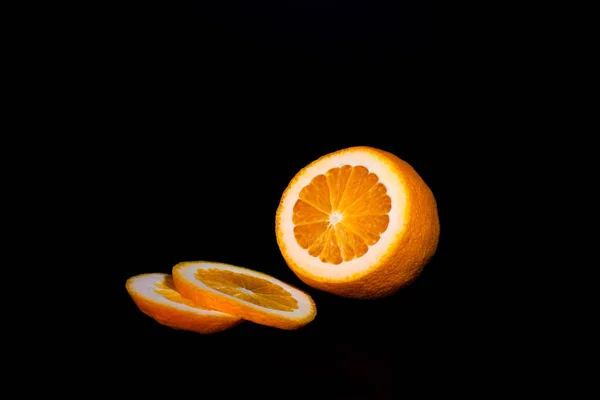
357, 266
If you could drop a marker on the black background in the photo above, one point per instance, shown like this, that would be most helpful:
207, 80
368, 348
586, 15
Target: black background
230, 100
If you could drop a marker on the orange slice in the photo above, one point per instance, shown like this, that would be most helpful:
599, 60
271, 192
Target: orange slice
359, 222
155, 295
252, 295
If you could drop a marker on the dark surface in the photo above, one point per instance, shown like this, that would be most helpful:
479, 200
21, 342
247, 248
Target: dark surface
262, 90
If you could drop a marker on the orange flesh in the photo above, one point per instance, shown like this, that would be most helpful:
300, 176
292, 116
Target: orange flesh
340, 214
167, 290
248, 288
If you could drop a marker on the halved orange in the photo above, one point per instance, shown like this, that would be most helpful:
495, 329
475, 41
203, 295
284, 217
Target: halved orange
358, 222
250, 294
155, 295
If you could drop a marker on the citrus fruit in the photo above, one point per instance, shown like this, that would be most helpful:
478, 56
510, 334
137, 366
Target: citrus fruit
252, 295
358, 222
155, 295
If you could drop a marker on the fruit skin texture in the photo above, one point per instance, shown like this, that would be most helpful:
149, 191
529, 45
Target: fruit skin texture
180, 319
224, 304
409, 253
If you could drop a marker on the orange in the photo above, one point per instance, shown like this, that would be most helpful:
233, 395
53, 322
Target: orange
252, 295
358, 222
155, 295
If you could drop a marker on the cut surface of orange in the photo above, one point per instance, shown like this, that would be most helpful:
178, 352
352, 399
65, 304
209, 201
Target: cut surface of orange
358, 222
250, 294
155, 295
